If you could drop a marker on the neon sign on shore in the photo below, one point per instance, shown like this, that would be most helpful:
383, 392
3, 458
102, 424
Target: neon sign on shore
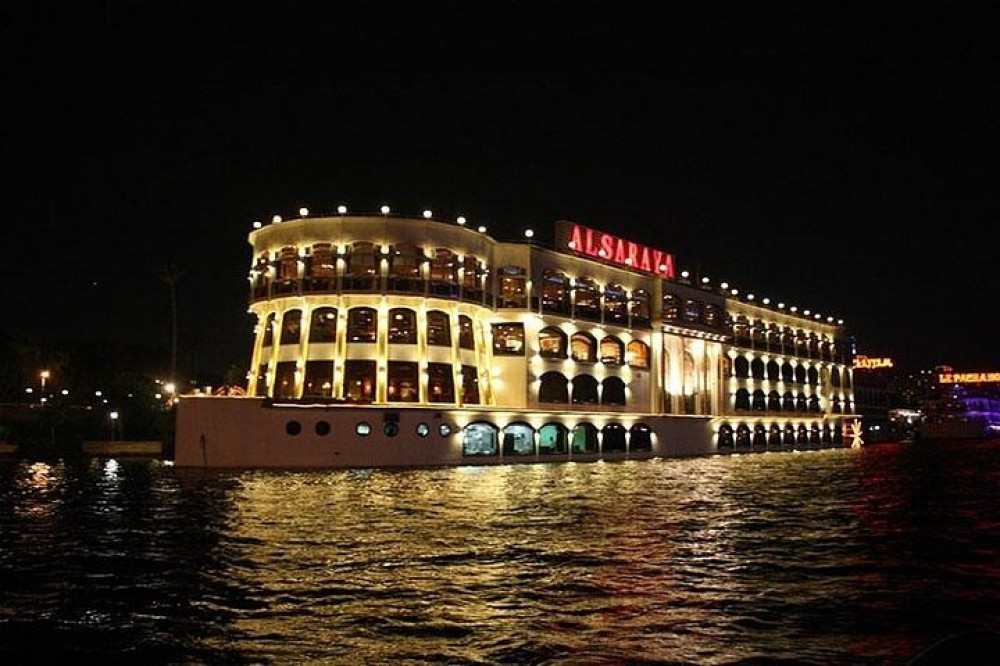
968, 377
588, 242
865, 363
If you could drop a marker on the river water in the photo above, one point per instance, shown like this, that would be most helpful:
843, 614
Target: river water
823, 557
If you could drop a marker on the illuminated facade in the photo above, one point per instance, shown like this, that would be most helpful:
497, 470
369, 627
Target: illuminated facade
511, 352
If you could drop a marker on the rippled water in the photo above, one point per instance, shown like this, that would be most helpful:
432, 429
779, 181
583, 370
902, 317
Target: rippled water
827, 557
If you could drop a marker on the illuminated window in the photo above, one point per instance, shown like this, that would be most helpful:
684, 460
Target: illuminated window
284, 380
513, 293
472, 288
440, 383
639, 308
466, 337
261, 386
552, 342
555, 292
615, 305
518, 440
692, 311
585, 438
359, 381
710, 315
291, 327
361, 272
404, 268
583, 347
671, 308
588, 302
470, 385
402, 385
508, 339
323, 325
402, 326
480, 439
268, 331
318, 380
552, 438
438, 329
638, 354
362, 325
288, 264
321, 268
444, 273
612, 351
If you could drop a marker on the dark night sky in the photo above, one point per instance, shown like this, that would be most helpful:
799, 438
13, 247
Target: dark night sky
840, 156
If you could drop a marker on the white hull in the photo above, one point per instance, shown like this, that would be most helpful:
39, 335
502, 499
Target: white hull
239, 432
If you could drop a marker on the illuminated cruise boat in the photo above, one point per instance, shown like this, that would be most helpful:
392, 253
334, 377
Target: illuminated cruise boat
386, 340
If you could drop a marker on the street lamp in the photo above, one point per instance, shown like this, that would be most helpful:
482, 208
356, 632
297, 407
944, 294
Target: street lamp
43, 375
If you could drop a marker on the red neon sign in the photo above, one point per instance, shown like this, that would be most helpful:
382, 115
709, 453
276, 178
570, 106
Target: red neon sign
606, 247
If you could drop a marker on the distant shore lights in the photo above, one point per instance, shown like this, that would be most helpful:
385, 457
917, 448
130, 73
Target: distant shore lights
607, 247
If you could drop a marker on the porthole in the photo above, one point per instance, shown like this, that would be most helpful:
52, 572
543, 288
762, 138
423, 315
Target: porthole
444, 429
390, 428
423, 430
293, 428
322, 428
363, 428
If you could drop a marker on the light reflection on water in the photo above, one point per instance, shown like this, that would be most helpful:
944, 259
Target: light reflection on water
837, 556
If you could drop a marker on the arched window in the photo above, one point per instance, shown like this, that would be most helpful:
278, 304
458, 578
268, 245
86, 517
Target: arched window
757, 368
759, 403
402, 385
552, 438
788, 402
291, 327
583, 347
827, 436
835, 377
584, 390
814, 404
773, 371
555, 292
743, 435
585, 438
588, 301
612, 391
321, 268
812, 374
742, 399
553, 387
284, 380
362, 325
638, 354
323, 325
742, 367
440, 383
438, 329
774, 436
466, 337
802, 435
640, 438
773, 401
847, 378
480, 439
800, 374
288, 271
759, 436
788, 439
613, 436
615, 302
801, 403
552, 342
787, 372
268, 331
726, 440
402, 326
639, 308
814, 436
508, 339
612, 351
836, 406
518, 439
361, 271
